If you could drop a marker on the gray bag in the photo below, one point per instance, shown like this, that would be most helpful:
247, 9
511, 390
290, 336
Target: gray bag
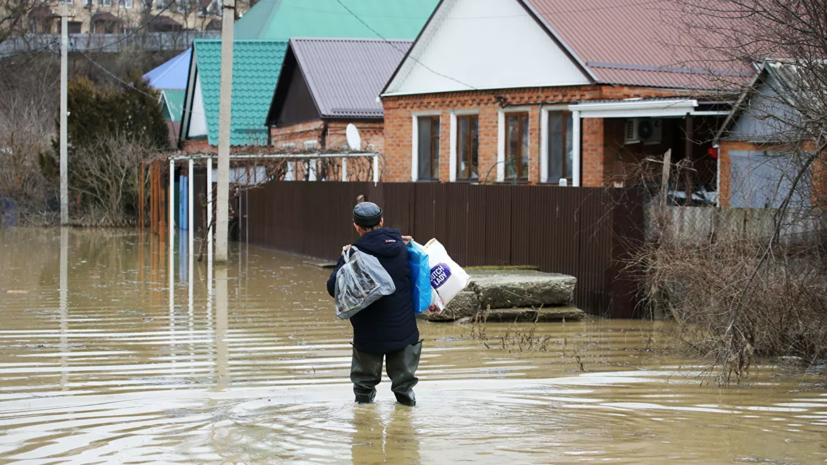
361, 281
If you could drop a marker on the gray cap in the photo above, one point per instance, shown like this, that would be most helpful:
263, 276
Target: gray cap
367, 214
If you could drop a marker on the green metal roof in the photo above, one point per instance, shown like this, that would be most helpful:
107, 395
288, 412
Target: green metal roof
256, 68
173, 104
283, 19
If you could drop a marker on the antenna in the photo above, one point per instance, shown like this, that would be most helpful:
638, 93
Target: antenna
354, 140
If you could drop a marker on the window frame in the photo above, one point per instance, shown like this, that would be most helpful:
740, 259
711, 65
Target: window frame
518, 174
566, 130
459, 118
434, 122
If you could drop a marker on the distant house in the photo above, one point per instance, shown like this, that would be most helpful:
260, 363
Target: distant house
123, 16
760, 149
551, 92
274, 22
326, 84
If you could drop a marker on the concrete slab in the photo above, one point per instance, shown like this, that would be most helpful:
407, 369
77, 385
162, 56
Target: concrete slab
527, 289
521, 290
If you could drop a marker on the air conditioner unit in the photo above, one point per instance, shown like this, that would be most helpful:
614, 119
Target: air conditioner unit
648, 131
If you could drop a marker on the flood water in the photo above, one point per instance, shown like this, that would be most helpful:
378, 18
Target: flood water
101, 363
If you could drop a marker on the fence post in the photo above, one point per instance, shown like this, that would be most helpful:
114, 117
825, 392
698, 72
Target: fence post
375, 170
344, 169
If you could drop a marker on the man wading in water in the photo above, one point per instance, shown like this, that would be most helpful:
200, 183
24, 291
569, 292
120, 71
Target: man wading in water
386, 328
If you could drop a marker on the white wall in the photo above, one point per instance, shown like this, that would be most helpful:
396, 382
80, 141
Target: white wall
485, 44
198, 122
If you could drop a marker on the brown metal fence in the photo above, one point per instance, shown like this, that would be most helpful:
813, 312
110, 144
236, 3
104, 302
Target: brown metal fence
583, 232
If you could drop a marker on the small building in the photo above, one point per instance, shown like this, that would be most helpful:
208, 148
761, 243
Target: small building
327, 84
547, 91
762, 148
256, 65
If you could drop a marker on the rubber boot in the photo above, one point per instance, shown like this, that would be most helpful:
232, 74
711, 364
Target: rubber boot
365, 373
402, 367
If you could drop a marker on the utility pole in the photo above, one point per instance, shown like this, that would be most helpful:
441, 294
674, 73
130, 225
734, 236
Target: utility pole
64, 110
224, 114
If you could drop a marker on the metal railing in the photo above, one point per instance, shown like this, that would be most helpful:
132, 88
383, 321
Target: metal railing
110, 43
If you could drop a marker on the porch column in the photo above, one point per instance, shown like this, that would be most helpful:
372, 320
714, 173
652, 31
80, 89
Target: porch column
575, 149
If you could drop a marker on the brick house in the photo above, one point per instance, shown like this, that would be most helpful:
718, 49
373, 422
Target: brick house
327, 84
545, 91
759, 149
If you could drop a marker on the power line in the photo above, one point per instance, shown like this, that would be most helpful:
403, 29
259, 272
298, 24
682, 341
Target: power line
131, 86
400, 50
110, 73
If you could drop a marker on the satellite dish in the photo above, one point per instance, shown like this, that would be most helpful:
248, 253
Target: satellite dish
354, 140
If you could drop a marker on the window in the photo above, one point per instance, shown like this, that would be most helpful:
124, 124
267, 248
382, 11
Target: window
67, 2
428, 148
516, 146
468, 145
105, 2
560, 160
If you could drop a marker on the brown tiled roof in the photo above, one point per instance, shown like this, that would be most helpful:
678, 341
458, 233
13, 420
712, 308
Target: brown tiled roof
637, 42
105, 17
42, 12
214, 25
165, 21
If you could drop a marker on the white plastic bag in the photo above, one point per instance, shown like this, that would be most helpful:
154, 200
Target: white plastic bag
360, 282
447, 278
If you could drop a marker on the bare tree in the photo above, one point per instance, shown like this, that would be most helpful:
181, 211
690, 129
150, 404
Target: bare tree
13, 15
109, 169
750, 283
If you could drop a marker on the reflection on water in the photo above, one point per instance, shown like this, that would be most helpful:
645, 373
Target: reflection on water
112, 350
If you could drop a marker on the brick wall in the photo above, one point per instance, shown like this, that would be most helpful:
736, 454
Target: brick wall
299, 135
194, 146
372, 133
597, 163
335, 138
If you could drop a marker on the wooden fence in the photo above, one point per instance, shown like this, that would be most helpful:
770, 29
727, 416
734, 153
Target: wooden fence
583, 232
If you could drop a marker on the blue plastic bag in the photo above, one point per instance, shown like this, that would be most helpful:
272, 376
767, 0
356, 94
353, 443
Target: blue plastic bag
420, 277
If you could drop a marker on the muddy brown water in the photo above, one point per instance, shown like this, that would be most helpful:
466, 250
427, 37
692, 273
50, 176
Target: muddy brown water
96, 366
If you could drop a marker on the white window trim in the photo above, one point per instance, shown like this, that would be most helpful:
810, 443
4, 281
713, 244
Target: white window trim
415, 140
501, 136
575, 143
453, 161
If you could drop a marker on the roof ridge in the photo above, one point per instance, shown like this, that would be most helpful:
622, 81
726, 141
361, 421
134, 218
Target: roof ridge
348, 39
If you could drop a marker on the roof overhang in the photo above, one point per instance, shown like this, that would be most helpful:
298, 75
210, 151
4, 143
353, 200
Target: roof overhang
636, 108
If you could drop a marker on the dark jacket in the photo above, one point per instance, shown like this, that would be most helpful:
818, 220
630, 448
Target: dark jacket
389, 324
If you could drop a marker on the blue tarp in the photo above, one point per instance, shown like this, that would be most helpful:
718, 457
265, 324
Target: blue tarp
172, 74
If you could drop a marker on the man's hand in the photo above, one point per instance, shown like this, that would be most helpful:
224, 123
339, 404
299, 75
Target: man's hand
345, 249
407, 240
